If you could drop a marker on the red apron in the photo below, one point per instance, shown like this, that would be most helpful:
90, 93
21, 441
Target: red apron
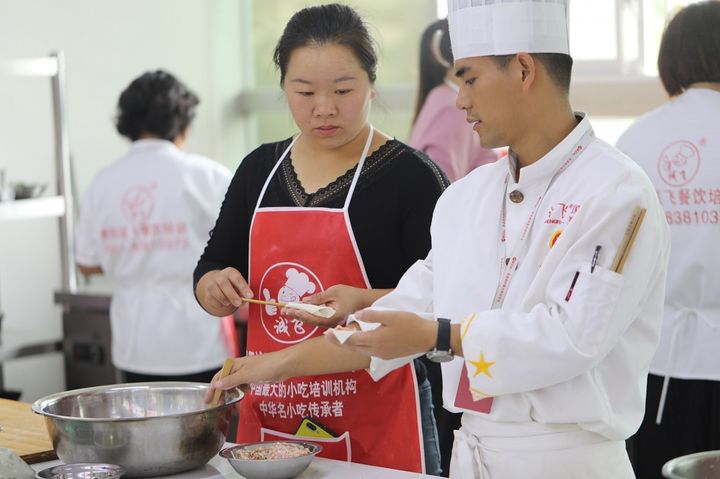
295, 252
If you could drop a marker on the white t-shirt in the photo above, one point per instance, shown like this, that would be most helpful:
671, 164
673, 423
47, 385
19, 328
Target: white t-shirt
678, 145
146, 219
550, 364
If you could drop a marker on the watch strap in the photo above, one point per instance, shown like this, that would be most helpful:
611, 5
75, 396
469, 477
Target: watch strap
443, 335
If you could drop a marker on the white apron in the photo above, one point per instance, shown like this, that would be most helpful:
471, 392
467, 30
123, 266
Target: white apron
565, 455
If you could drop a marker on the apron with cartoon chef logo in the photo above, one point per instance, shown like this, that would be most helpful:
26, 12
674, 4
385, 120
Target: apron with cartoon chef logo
296, 252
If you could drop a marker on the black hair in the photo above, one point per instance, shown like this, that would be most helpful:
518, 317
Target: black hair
322, 25
156, 103
434, 43
690, 47
558, 66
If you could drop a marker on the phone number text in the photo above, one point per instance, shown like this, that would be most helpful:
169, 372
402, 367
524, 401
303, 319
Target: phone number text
698, 217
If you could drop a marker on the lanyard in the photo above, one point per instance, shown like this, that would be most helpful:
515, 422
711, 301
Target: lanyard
509, 265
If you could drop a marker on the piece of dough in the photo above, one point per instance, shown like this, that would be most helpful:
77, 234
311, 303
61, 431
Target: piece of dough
341, 333
317, 310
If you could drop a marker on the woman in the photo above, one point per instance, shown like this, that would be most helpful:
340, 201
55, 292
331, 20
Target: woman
340, 203
143, 221
439, 128
677, 145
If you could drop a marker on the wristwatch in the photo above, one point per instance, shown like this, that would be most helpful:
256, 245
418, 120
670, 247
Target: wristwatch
442, 351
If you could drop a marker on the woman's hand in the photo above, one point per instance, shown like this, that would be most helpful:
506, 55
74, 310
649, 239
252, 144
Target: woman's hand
345, 300
219, 291
245, 371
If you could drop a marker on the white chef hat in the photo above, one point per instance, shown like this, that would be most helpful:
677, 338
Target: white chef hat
504, 27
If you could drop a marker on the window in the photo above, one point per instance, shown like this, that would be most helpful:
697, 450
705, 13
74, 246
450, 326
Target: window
656, 15
618, 37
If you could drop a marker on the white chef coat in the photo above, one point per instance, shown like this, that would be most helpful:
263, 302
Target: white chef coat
678, 145
571, 370
145, 219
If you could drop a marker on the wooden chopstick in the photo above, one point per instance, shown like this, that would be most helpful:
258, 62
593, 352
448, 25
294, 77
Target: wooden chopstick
632, 240
258, 301
630, 234
226, 368
626, 239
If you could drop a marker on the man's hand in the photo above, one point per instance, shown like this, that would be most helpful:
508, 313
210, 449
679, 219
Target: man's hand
399, 334
345, 300
219, 291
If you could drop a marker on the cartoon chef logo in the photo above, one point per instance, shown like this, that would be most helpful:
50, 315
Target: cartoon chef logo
138, 203
286, 283
679, 162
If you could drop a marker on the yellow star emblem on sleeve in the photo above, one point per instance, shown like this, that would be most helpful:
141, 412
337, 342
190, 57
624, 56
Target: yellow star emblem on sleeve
482, 366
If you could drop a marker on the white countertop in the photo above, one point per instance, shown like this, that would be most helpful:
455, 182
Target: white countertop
219, 468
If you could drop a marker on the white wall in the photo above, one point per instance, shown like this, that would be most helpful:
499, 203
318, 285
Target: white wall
106, 45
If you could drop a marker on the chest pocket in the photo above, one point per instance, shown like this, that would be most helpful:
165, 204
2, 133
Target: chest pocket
591, 306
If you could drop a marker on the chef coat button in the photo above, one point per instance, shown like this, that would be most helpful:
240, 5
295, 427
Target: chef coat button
516, 196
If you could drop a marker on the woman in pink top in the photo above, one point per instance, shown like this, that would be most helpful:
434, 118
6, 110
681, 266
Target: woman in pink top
439, 128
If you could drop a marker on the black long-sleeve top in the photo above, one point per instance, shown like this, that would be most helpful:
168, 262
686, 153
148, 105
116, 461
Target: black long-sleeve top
390, 211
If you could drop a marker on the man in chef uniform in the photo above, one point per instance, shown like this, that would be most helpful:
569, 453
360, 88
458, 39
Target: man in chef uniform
678, 145
544, 348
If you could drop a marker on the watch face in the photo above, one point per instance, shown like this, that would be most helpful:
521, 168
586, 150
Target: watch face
440, 356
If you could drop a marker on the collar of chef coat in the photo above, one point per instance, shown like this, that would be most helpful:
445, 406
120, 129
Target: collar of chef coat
544, 169
156, 144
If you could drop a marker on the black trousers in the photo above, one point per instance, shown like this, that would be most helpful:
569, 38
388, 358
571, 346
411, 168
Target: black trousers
690, 423
201, 377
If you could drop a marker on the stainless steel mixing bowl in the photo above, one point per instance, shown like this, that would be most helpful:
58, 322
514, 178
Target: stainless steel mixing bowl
701, 465
151, 429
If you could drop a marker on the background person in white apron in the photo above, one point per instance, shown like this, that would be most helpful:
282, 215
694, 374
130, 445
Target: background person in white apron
281, 221
143, 222
555, 343
678, 145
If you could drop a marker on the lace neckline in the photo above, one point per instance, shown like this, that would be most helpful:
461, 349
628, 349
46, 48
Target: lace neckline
340, 185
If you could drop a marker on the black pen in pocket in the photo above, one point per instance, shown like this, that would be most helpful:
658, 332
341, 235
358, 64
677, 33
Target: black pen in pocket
593, 263
572, 286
